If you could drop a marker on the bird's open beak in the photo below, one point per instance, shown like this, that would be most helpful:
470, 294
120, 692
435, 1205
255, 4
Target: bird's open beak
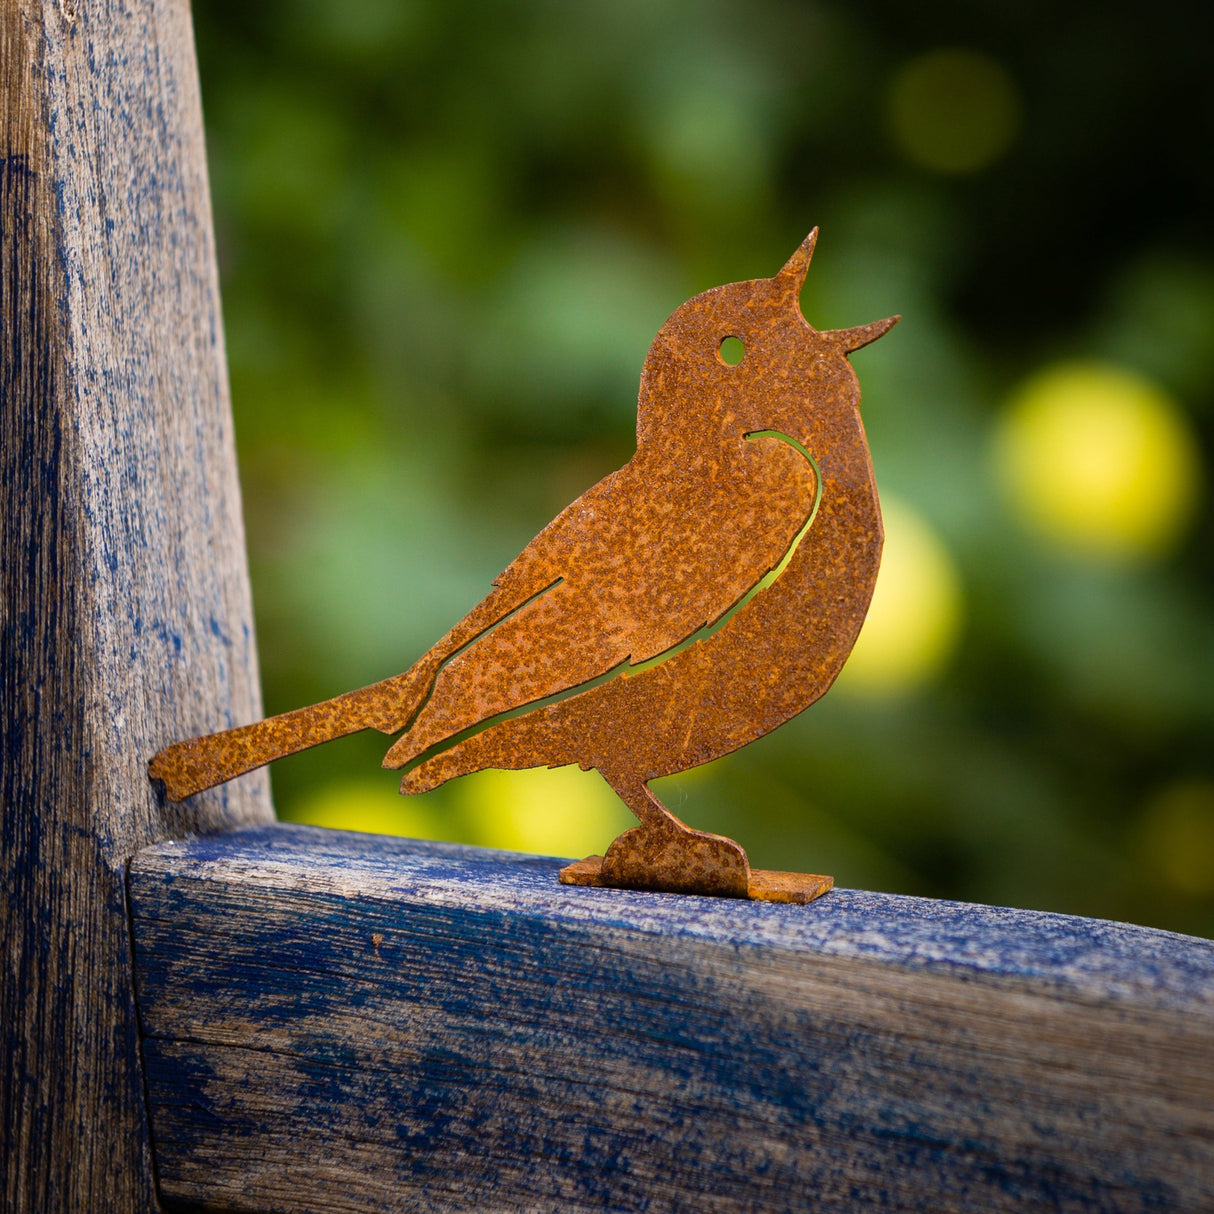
854, 339
792, 277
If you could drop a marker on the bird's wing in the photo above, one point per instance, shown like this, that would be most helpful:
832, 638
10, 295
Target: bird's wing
631, 569
689, 546
655, 554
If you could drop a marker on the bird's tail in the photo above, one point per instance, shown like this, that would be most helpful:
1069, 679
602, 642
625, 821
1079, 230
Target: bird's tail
199, 763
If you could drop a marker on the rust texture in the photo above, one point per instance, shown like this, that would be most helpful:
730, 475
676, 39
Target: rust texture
714, 587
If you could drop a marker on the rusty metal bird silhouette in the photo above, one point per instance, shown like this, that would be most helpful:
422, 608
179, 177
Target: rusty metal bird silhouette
690, 602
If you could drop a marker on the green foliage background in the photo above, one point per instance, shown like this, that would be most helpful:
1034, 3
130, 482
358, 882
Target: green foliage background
448, 232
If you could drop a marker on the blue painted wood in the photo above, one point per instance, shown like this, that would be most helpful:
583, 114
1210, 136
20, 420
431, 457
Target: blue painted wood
339, 1021
125, 619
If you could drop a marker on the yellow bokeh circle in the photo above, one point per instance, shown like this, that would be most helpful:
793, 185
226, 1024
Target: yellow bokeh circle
953, 110
1099, 459
915, 618
562, 811
558, 812
369, 805
1178, 836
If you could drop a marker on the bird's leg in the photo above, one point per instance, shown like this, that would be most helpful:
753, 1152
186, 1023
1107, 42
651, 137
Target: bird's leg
665, 855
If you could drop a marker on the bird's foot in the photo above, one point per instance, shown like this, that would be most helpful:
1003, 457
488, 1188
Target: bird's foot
668, 857
671, 858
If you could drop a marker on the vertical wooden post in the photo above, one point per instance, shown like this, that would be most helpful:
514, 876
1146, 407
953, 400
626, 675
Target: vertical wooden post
126, 614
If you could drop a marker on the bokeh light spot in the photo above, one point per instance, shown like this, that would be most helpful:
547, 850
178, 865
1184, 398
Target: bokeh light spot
1100, 460
1178, 836
373, 806
915, 618
557, 812
953, 111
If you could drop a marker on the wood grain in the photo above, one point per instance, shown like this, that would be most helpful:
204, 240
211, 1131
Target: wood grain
342, 1022
126, 616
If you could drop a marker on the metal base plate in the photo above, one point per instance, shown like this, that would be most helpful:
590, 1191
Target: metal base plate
765, 885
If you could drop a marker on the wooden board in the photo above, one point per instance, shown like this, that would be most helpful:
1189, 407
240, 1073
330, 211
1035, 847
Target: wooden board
345, 1022
126, 617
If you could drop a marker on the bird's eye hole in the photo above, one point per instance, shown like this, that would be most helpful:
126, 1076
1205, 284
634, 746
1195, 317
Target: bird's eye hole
731, 351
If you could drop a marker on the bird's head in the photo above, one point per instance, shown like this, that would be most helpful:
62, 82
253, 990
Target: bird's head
790, 377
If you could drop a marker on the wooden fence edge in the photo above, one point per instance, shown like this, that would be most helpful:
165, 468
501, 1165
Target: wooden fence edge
346, 1022
126, 612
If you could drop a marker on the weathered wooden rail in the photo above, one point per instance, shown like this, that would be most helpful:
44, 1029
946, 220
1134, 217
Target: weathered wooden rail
339, 1022
126, 615
271, 1018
